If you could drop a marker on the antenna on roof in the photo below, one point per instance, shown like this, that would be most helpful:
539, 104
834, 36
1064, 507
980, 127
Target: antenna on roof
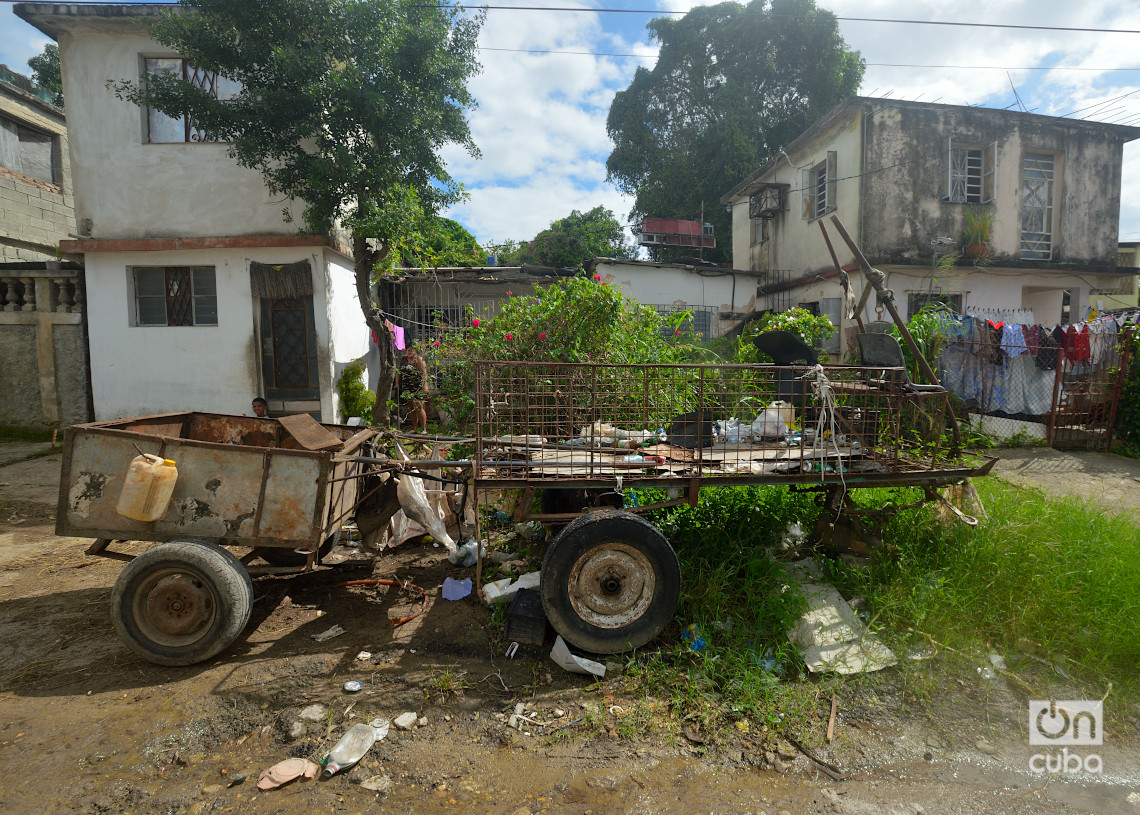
1016, 96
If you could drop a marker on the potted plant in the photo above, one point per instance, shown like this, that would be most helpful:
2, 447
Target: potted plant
978, 230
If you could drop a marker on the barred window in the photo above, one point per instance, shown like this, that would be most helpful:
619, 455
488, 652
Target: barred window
163, 129
175, 295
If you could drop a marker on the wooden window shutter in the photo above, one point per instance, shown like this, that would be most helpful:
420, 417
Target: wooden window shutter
989, 162
832, 179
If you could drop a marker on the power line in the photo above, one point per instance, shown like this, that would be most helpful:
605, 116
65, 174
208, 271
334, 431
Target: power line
580, 10
869, 64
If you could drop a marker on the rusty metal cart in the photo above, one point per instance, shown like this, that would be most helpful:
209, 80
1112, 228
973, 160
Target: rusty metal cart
241, 482
584, 434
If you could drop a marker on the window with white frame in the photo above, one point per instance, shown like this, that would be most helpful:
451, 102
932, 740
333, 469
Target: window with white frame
28, 151
163, 129
1037, 172
175, 295
969, 173
818, 187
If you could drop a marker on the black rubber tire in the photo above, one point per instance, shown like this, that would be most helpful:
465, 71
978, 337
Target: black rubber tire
291, 557
610, 582
181, 602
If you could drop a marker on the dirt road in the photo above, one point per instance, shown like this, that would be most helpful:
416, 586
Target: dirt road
85, 727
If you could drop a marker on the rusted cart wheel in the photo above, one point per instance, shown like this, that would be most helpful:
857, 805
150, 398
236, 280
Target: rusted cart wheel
610, 582
181, 602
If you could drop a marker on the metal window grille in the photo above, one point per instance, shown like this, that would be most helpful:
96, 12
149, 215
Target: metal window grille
175, 296
701, 321
165, 129
916, 300
1037, 207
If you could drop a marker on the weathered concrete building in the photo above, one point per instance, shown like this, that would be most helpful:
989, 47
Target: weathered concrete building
200, 295
36, 207
43, 347
904, 176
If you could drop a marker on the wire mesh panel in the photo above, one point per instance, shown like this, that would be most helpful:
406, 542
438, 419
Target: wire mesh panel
572, 422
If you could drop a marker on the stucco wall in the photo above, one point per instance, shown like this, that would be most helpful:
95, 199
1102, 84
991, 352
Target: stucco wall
20, 403
728, 291
904, 207
138, 370
127, 188
795, 242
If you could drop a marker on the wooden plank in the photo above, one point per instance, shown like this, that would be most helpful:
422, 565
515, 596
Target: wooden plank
308, 433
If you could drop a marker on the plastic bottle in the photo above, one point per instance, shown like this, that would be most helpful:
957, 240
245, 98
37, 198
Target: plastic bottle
147, 488
350, 749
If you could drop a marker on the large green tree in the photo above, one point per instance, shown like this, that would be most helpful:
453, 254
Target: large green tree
46, 71
343, 105
442, 242
733, 84
577, 238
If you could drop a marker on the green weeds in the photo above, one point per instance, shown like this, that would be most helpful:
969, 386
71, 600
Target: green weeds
1043, 582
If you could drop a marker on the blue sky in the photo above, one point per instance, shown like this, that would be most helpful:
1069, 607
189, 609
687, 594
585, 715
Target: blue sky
541, 119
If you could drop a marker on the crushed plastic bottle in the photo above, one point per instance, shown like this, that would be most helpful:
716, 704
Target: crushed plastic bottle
350, 749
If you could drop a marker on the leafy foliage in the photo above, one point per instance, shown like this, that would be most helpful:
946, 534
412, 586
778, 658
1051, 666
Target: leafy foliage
810, 328
343, 105
577, 239
355, 398
733, 84
577, 319
927, 328
442, 242
506, 253
46, 71
1128, 414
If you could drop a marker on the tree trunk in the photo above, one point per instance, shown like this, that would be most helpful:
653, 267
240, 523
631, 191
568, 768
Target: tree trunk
364, 262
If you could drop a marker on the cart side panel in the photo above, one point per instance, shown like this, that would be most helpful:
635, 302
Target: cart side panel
293, 485
94, 467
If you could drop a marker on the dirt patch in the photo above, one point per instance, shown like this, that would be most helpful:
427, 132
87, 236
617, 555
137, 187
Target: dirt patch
85, 727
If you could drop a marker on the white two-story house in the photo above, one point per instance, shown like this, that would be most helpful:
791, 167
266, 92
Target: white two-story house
200, 294
902, 177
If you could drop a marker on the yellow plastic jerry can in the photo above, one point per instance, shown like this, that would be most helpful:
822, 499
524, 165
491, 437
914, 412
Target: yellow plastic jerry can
147, 488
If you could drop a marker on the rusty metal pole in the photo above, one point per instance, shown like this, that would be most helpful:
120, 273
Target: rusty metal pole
846, 280
876, 280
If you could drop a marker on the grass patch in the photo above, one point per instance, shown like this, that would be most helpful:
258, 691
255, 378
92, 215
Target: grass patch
1058, 579
18, 433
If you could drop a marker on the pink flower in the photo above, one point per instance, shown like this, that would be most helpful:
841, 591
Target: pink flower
597, 277
677, 332
475, 322
509, 337
509, 293
542, 336
605, 284
587, 356
437, 342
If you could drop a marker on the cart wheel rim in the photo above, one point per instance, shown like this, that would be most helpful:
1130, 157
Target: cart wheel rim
612, 585
174, 608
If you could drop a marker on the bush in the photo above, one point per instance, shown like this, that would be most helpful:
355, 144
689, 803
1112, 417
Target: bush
1128, 414
355, 397
576, 319
808, 327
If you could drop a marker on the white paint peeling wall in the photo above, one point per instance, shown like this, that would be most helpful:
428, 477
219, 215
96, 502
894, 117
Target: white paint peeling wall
128, 188
349, 336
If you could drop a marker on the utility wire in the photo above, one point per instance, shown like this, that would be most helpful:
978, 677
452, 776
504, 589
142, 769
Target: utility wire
580, 10
869, 64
